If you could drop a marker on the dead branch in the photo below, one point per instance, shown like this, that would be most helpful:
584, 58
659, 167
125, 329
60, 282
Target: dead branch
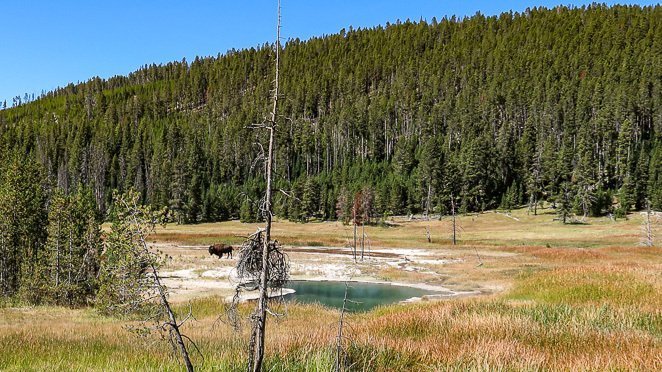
140, 234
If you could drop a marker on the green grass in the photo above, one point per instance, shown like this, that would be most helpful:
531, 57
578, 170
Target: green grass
598, 286
573, 298
500, 332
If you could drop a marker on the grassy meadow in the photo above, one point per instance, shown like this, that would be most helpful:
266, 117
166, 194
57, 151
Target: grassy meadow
563, 297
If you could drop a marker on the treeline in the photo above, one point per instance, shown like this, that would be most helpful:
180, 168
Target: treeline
52, 250
50, 242
559, 105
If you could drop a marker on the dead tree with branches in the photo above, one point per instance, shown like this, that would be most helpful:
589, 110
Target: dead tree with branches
454, 221
647, 227
261, 263
259, 318
129, 277
339, 339
341, 353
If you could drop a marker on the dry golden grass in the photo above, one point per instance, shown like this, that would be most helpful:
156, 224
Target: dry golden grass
566, 297
485, 333
488, 230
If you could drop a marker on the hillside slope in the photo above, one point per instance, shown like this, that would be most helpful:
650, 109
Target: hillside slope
551, 104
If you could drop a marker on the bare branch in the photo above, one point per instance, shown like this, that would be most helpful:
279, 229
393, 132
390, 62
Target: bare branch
288, 195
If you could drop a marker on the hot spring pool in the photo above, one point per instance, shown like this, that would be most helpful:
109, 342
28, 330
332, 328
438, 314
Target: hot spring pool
370, 295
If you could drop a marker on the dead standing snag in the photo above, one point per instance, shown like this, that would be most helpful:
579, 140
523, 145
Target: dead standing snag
130, 279
261, 260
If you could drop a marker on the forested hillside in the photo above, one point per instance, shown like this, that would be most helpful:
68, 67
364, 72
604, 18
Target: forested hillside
562, 105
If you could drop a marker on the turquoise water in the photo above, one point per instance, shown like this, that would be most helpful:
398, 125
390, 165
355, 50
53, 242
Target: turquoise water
369, 295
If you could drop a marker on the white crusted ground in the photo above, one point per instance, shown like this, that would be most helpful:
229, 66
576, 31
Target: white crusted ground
195, 274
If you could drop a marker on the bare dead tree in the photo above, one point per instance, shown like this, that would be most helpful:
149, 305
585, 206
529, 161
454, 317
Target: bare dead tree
130, 259
365, 236
647, 227
171, 323
341, 354
339, 339
356, 219
361, 214
362, 240
354, 244
259, 317
454, 222
480, 260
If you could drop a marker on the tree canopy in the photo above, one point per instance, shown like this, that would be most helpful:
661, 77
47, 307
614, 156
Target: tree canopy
500, 110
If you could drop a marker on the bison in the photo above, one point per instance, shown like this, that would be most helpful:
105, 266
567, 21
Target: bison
220, 249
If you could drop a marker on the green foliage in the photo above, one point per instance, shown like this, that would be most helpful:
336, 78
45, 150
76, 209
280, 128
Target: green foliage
655, 179
249, 212
626, 197
578, 286
415, 111
602, 204
311, 198
564, 202
23, 221
66, 268
126, 285
344, 206
510, 199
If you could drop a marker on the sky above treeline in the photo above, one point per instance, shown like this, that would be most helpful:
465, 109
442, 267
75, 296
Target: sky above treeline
45, 44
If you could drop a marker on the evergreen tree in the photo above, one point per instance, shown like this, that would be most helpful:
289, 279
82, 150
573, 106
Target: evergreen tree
22, 223
655, 179
67, 267
583, 177
123, 285
344, 206
397, 109
311, 198
564, 202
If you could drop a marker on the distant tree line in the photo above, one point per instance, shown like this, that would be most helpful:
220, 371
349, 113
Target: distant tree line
559, 105
50, 242
52, 250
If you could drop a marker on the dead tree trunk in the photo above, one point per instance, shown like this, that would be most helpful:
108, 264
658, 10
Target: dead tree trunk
648, 229
172, 319
339, 340
427, 202
454, 224
261, 318
354, 246
362, 240
427, 213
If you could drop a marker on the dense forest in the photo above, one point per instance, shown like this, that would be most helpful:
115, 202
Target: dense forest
557, 105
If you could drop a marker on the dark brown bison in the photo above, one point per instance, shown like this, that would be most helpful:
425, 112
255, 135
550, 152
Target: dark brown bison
220, 249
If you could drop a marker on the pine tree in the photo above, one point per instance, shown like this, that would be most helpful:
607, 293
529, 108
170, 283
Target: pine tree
344, 206
67, 267
22, 223
430, 174
584, 179
311, 198
129, 277
655, 179
564, 202
399, 103
624, 153
534, 182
